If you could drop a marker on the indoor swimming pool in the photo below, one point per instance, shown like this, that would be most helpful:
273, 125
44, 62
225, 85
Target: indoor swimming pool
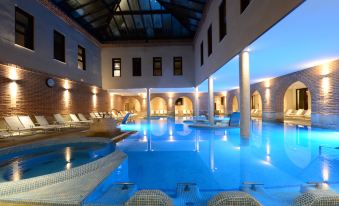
167, 151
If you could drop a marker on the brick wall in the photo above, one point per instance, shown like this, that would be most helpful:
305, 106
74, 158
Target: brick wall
322, 82
29, 94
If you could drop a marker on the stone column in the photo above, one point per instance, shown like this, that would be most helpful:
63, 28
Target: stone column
148, 99
196, 102
210, 100
244, 84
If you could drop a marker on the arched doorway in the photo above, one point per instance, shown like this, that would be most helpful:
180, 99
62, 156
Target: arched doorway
183, 107
235, 104
158, 106
297, 103
132, 104
256, 104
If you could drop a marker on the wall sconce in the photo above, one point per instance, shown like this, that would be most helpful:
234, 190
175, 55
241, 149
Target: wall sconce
95, 90
13, 73
67, 84
267, 83
94, 100
325, 70
325, 84
13, 90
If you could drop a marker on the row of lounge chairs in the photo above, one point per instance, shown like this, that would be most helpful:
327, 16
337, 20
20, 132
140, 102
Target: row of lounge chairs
183, 112
159, 112
23, 124
298, 114
112, 114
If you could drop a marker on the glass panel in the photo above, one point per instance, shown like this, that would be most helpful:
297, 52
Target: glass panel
138, 21
117, 73
157, 21
134, 4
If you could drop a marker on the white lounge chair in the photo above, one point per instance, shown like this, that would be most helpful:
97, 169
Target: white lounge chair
42, 121
27, 122
83, 118
14, 125
307, 114
60, 120
75, 119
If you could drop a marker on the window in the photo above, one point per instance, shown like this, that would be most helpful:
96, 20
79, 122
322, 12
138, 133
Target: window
202, 53
24, 29
59, 46
81, 58
243, 5
222, 99
116, 67
222, 20
209, 40
177, 66
136, 66
157, 70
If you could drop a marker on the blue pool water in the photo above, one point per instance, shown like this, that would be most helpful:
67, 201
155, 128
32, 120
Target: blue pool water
44, 160
166, 151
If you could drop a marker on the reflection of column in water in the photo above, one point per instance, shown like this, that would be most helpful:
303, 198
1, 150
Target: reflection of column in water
149, 140
212, 166
244, 156
16, 171
197, 140
68, 156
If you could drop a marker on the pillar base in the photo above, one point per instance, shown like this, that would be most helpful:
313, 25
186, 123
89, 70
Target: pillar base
273, 116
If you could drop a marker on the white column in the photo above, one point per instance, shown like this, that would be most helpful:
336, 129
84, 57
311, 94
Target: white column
148, 99
244, 81
210, 100
196, 102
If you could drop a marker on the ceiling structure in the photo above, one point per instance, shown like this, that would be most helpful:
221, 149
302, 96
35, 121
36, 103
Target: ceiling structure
307, 37
118, 20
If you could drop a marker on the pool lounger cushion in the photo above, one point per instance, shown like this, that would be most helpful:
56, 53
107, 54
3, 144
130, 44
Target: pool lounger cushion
233, 198
149, 197
317, 198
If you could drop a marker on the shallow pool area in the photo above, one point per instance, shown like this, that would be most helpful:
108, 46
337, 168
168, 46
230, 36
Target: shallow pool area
166, 151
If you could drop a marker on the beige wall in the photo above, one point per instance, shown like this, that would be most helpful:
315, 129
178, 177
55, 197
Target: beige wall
41, 59
242, 30
146, 53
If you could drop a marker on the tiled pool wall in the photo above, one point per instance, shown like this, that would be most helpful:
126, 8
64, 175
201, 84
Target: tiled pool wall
96, 171
322, 82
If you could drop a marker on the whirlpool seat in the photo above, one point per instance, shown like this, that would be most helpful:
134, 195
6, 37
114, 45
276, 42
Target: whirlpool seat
149, 198
233, 198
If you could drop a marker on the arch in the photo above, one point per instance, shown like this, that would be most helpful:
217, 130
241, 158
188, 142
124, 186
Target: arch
235, 104
297, 103
132, 104
158, 106
256, 104
183, 106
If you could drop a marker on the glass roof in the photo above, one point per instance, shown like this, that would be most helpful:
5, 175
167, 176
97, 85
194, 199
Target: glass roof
112, 20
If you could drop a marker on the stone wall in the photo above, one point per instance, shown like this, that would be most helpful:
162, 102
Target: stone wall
322, 83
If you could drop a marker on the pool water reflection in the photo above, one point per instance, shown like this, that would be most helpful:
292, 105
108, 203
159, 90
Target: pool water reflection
166, 151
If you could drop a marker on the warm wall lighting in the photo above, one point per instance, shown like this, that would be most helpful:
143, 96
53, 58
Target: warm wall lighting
13, 73
267, 83
170, 102
67, 84
95, 90
267, 94
325, 70
94, 100
67, 98
13, 90
325, 84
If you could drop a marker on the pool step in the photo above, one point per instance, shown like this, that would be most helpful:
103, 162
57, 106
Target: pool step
188, 194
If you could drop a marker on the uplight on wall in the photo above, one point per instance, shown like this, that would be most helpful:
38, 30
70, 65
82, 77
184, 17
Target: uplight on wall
13, 90
67, 98
325, 70
13, 73
325, 84
67, 84
94, 100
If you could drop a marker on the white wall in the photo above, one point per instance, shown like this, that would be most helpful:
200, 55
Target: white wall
41, 59
146, 53
242, 30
